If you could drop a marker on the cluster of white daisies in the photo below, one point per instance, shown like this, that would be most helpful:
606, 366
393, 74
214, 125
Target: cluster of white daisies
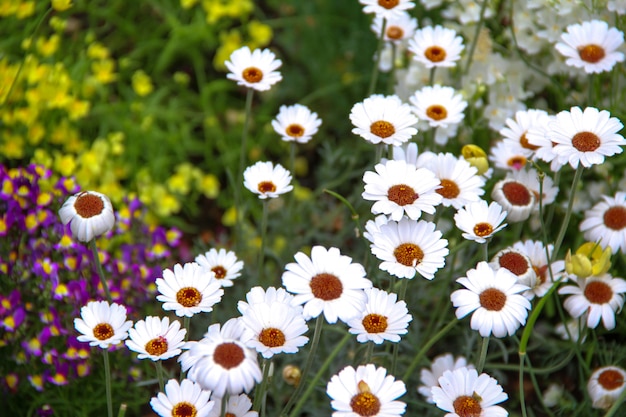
410, 190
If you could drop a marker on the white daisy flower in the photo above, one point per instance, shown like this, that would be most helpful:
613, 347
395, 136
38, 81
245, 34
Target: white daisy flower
495, 299
296, 123
278, 327
515, 197
155, 338
530, 178
408, 247
386, 9
539, 137
605, 386
480, 222
460, 182
184, 399
102, 324
605, 223
508, 156
397, 28
221, 361
384, 318
519, 264
223, 264
89, 213
464, 393
430, 376
258, 295
267, 180
383, 119
372, 227
366, 391
539, 256
598, 296
436, 46
518, 127
398, 188
188, 290
438, 105
406, 152
254, 69
327, 282
585, 137
592, 46
236, 406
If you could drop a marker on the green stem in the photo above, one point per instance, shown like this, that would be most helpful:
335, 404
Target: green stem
263, 232
355, 215
483, 355
426, 347
103, 281
318, 375
486, 250
568, 213
522, 398
369, 352
242, 163
616, 405
307, 366
186, 326
479, 25
379, 49
107, 382
259, 394
396, 346
159, 370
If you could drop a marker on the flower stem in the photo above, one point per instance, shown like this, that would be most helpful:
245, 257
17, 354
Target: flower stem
107, 382
259, 395
379, 49
159, 369
307, 366
396, 346
263, 233
483, 355
568, 213
318, 375
103, 281
479, 26
242, 163
426, 347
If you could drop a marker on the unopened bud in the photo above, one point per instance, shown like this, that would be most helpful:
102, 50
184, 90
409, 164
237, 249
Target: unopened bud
291, 375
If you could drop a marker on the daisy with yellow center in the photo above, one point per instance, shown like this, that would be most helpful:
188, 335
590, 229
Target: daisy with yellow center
601, 297
222, 263
430, 376
386, 9
399, 188
366, 391
186, 399
397, 28
102, 324
592, 46
408, 247
384, 318
267, 180
221, 361
479, 221
605, 222
89, 214
188, 290
464, 393
436, 47
156, 338
605, 386
438, 105
383, 119
494, 297
236, 406
327, 282
254, 69
296, 123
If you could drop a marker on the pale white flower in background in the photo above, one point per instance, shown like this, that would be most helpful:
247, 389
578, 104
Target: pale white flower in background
224, 265
398, 28
267, 180
430, 376
296, 123
254, 69
386, 9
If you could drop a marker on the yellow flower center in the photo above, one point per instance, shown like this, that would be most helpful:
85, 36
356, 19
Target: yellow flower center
375, 323
252, 75
103, 331
408, 254
188, 297
272, 337
365, 403
382, 129
157, 346
483, 229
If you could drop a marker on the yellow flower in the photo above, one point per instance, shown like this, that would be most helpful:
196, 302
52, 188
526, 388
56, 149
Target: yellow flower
78, 109
65, 164
229, 42
188, 4
12, 146
260, 34
142, 84
104, 71
58, 24
61, 5
589, 260
208, 185
97, 51
47, 47
476, 157
25, 9
229, 218
36, 132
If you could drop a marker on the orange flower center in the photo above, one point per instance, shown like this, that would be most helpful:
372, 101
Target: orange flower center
598, 292
388, 4
219, 271
435, 54
516, 193
103, 331
436, 112
184, 409
408, 254
483, 229
365, 403
252, 75
228, 355
272, 337
611, 379
586, 141
615, 218
188, 297
591, 53
295, 130
266, 187
88, 205
375, 323
449, 189
514, 262
326, 286
517, 162
466, 406
523, 140
395, 32
157, 346
402, 194
382, 129
492, 299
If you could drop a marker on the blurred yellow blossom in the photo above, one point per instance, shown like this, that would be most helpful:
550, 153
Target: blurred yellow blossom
187, 4
49, 46
104, 71
142, 84
209, 185
229, 218
589, 259
476, 157
25, 9
96, 51
229, 42
260, 34
219, 9
58, 24
61, 5
64, 164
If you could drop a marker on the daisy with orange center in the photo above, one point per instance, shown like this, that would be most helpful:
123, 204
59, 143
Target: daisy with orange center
436, 47
592, 46
438, 105
366, 391
384, 318
267, 180
464, 393
479, 221
155, 338
383, 119
605, 223
254, 69
222, 263
221, 361
184, 399
386, 9
327, 283
519, 264
605, 386
494, 297
89, 214
601, 297
296, 123
515, 197
430, 376
397, 28
102, 324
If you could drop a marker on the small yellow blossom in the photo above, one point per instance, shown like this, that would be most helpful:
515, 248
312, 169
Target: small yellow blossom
476, 157
260, 34
58, 24
589, 260
142, 84
104, 71
65, 164
209, 185
25, 9
229, 218
188, 4
229, 42
47, 47
61, 5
